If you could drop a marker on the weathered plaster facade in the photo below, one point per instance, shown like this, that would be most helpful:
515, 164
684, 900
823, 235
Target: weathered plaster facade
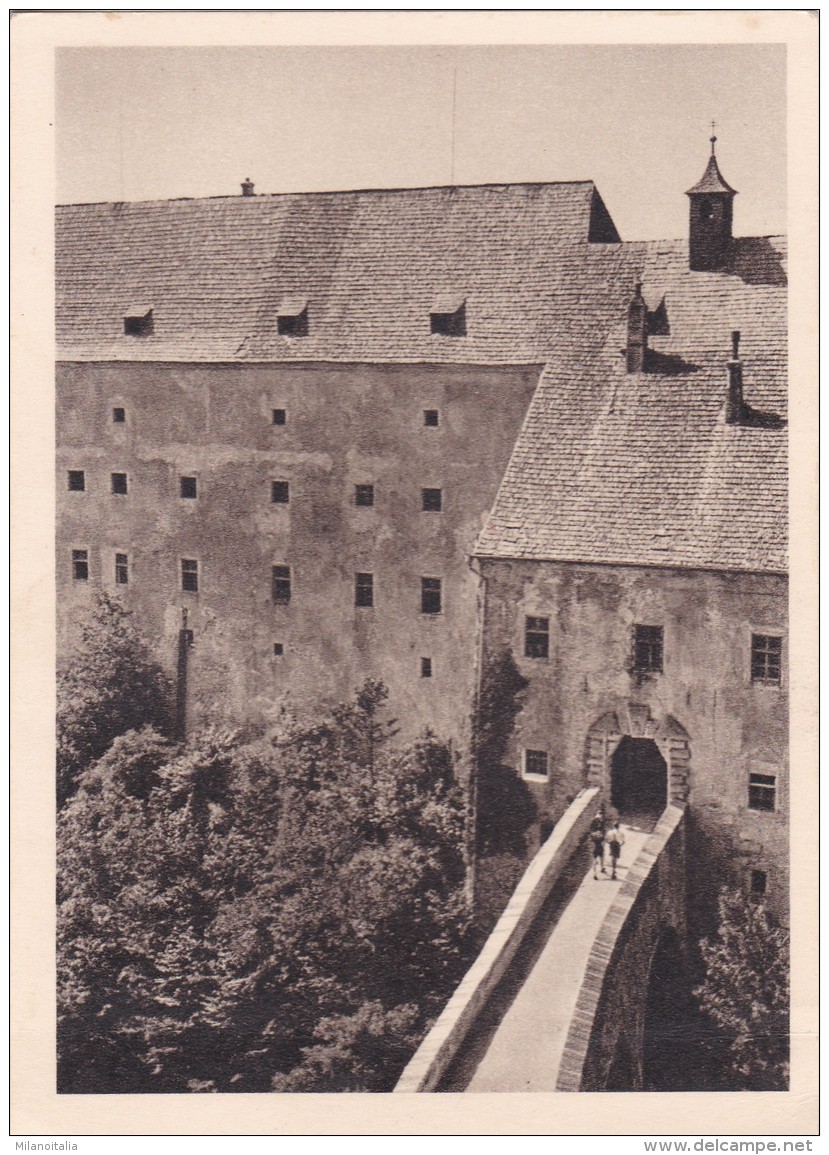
345, 425
712, 725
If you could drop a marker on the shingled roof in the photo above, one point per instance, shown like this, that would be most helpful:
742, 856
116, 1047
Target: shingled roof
642, 468
371, 265
610, 467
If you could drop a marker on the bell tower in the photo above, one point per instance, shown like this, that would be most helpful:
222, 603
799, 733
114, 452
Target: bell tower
710, 228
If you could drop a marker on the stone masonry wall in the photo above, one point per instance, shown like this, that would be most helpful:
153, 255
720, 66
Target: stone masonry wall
345, 425
709, 719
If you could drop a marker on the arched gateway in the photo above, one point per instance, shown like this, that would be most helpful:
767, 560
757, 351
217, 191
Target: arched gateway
639, 763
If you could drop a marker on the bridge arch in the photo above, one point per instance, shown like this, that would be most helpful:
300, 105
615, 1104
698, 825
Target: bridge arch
664, 1034
635, 722
641, 937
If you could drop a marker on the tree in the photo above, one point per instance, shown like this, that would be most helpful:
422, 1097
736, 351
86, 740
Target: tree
109, 685
745, 993
244, 913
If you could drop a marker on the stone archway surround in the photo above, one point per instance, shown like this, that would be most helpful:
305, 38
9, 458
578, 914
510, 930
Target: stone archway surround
635, 721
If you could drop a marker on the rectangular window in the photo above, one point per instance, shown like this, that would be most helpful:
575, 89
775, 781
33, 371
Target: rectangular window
364, 590
430, 596
80, 565
122, 575
281, 584
432, 500
292, 317
759, 882
280, 492
189, 575
537, 637
76, 480
647, 649
279, 417
431, 418
448, 316
364, 495
119, 483
119, 415
278, 649
762, 792
188, 487
535, 764
139, 323
425, 667
766, 659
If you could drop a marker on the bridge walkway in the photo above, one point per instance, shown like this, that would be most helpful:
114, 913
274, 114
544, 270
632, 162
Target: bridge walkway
526, 1049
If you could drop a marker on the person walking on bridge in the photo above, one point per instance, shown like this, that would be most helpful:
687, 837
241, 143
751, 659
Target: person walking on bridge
615, 840
597, 831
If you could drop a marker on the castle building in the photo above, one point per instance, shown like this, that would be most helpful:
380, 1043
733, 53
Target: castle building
309, 438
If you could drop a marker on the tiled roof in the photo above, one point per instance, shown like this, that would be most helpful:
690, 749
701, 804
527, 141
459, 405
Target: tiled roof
371, 264
612, 467
609, 467
712, 180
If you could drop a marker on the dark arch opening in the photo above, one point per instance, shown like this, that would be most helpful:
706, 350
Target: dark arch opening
639, 781
622, 1073
669, 1023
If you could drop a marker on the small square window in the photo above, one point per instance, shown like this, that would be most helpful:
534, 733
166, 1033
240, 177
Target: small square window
759, 882
293, 326
431, 418
281, 584
279, 417
119, 415
278, 649
280, 492
448, 318
122, 575
189, 575
425, 667
430, 596
188, 487
364, 590
80, 565
76, 480
537, 637
119, 483
647, 649
432, 500
364, 495
139, 324
762, 792
536, 764
766, 659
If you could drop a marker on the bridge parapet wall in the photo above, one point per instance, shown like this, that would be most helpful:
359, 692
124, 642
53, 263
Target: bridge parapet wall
611, 1003
441, 1045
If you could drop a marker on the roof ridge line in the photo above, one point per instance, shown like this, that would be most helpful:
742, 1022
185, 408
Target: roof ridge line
330, 192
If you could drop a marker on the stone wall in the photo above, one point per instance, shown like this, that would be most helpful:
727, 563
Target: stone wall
712, 725
345, 425
610, 1011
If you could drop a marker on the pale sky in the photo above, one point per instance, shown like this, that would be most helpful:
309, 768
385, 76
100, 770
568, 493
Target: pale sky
148, 123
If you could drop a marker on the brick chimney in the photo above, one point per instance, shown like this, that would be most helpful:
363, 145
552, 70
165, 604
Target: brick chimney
247, 187
734, 405
637, 342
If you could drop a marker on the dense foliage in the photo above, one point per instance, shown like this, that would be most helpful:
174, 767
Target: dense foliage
109, 684
745, 996
282, 913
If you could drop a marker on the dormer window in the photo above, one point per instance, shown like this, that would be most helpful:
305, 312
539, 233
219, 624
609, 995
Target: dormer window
138, 321
292, 317
447, 315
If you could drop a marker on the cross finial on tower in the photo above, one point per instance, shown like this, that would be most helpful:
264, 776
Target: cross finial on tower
713, 137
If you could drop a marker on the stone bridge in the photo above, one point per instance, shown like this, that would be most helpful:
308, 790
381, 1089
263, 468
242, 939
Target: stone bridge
576, 987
